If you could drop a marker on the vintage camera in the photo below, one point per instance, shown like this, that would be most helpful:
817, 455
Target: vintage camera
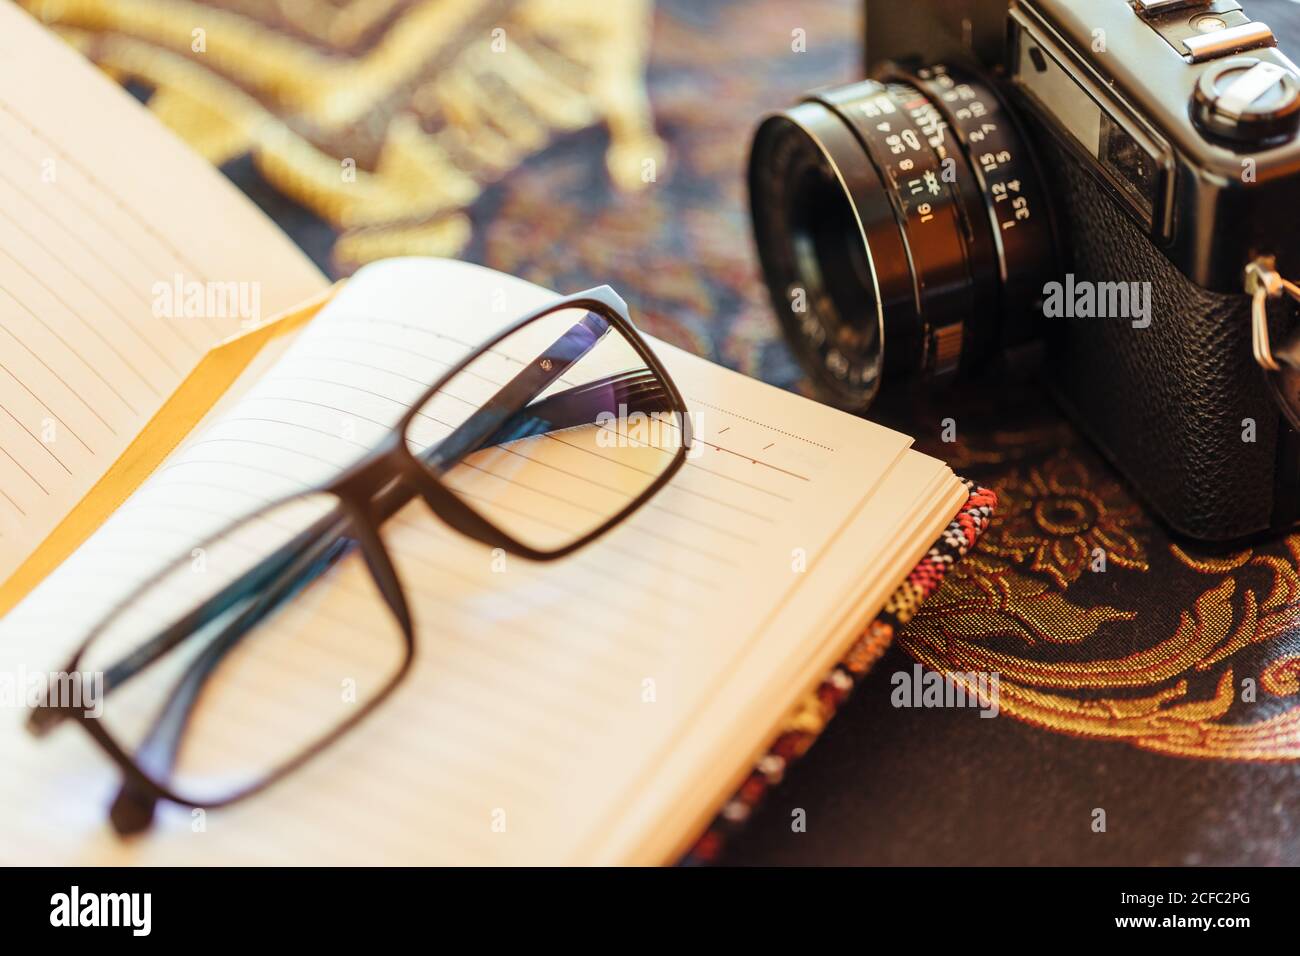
1086, 180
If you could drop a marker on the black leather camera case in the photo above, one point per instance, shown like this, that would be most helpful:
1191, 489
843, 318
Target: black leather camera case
1180, 408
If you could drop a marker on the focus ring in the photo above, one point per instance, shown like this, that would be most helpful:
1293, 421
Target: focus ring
839, 339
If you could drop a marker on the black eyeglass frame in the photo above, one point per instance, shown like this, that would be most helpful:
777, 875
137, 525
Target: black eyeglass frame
369, 491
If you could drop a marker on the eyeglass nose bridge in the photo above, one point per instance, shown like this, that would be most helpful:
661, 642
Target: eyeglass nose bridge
372, 479
389, 478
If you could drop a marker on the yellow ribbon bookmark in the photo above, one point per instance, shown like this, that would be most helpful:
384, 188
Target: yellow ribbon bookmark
176, 419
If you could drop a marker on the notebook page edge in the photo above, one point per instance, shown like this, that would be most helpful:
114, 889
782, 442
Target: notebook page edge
837, 625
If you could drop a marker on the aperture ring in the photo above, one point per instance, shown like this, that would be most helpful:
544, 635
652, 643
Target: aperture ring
898, 128
1015, 203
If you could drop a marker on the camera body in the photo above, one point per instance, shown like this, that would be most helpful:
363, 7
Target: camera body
1144, 192
1165, 177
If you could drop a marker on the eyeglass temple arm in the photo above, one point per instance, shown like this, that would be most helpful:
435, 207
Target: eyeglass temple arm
132, 809
638, 391
634, 390
475, 432
534, 378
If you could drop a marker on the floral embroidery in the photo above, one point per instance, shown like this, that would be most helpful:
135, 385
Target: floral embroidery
1059, 519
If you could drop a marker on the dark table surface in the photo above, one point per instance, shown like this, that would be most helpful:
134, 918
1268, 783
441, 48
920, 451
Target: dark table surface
1124, 691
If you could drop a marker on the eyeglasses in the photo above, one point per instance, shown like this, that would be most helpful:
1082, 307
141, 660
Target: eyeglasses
489, 447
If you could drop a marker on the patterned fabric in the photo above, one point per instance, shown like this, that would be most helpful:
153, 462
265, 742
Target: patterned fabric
810, 718
606, 142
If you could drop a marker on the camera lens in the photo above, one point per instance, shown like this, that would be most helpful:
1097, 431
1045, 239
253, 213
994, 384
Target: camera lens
902, 229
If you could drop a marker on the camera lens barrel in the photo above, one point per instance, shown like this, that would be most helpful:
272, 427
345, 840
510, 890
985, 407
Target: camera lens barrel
902, 227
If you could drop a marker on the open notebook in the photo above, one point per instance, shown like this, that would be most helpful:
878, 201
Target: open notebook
524, 733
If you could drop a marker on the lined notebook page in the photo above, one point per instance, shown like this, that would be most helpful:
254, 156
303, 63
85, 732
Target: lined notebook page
525, 732
100, 207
